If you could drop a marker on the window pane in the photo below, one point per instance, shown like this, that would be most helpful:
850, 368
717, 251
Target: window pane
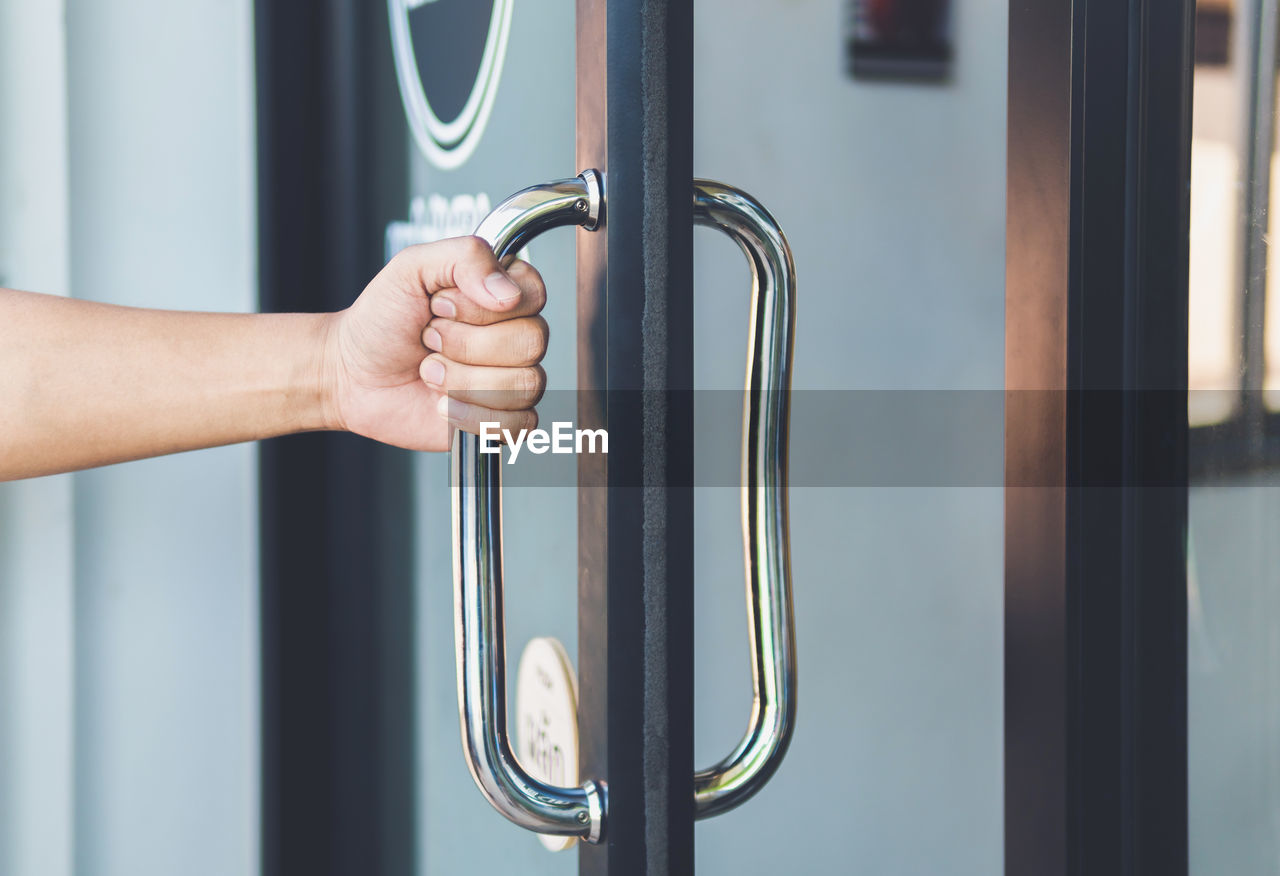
1233, 669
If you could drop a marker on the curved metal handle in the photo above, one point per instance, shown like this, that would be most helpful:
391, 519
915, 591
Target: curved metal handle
477, 564
765, 519
477, 531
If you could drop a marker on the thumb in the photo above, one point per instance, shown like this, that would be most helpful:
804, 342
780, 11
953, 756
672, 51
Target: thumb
467, 264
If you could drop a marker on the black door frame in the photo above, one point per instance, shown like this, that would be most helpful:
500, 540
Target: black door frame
635, 367
1096, 437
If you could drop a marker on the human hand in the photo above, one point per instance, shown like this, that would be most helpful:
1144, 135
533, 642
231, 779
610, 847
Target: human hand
442, 337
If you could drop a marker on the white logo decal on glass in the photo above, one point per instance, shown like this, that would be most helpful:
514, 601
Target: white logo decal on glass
448, 145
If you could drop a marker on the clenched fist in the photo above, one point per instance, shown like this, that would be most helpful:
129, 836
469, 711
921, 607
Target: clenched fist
441, 337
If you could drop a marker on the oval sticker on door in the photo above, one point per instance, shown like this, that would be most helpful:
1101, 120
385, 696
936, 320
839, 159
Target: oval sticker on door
449, 56
547, 720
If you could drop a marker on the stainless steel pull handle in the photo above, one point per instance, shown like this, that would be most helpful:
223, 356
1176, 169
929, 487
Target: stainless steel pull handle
765, 520
477, 565
477, 531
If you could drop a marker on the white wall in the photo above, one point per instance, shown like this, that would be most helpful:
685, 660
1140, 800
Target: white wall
128, 606
162, 193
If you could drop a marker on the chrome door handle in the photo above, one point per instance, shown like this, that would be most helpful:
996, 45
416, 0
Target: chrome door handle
477, 564
765, 517
477, 531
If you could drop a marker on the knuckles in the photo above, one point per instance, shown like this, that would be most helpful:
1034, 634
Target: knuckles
526, 276
534, 342
475, 248
532, 382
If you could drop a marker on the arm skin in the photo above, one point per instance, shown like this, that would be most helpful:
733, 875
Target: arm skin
441, 338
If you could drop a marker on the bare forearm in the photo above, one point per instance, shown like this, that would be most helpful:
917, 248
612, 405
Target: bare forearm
442, 338
85, 384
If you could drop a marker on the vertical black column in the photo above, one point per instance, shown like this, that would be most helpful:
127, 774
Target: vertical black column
1096, 438
635, 370
336, 603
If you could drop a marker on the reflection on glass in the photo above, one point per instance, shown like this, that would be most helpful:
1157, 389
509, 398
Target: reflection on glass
1271, 320
1213, 350
1218, 160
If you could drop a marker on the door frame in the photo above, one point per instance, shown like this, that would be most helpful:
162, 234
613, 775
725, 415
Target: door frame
635, 370
1099, 138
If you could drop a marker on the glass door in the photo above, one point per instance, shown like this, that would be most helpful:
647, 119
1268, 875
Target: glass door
503, 75
896, 501
881, 153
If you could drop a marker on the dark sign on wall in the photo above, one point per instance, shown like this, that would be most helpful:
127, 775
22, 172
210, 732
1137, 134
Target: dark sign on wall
898, 38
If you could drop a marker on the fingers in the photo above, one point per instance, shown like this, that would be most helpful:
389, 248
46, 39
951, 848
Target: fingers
455, 304
468, 417
502, 389
485, 337
465, 264
513, 343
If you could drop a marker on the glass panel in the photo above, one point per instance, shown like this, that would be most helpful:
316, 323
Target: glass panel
1232, 552
525, 137
889, 183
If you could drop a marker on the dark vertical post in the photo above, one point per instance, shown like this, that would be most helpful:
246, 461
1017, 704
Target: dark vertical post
336, 570
635, 370
1157, 329
1096, 434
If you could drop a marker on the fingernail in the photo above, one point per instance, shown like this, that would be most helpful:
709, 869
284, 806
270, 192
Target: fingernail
451, 410
432, 338
443, 307
433, 372
500, 287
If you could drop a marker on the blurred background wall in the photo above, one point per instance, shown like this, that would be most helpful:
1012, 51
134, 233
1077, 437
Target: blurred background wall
128, 595
36, 569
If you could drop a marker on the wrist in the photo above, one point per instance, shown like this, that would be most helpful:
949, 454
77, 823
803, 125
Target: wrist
325, 373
